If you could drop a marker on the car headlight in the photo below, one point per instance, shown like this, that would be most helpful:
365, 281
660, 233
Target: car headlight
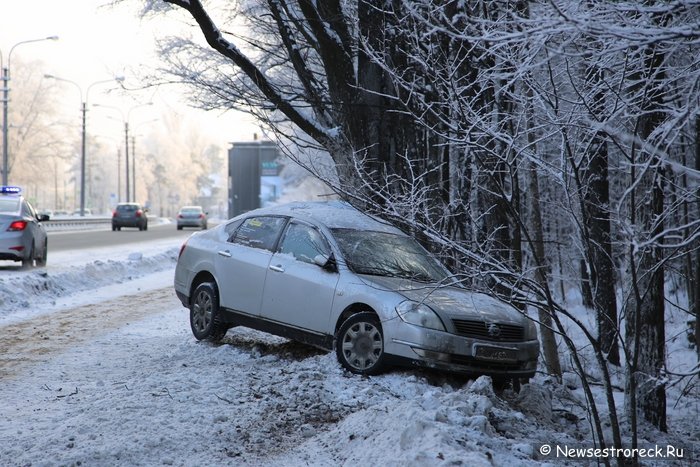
530, 330
419, 314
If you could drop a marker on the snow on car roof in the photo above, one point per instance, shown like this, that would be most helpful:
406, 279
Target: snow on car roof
333, 214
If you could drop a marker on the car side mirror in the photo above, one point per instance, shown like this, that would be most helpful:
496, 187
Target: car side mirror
43, 217
325, 262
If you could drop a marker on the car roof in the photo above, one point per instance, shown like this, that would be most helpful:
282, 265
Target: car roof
332, 214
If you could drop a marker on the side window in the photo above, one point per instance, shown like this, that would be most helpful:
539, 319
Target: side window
304, 243
259, 232
230, 229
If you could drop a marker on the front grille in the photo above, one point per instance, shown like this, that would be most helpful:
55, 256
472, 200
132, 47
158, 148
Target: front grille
480, 330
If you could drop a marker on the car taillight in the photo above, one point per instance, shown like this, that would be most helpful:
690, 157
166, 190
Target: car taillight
17, 226
179, 216
201, 216
114, 214
138, 213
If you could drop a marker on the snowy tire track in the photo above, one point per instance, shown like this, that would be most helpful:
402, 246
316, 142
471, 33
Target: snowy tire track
38, 340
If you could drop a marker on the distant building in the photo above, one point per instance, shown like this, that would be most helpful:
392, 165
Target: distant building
253, 176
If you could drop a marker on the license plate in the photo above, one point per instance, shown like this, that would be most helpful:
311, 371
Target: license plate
495, 354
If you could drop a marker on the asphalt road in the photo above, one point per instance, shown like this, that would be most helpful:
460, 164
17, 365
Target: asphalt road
105, 237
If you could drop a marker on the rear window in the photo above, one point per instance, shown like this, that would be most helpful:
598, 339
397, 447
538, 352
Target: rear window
190, 210
9, 205
127, 208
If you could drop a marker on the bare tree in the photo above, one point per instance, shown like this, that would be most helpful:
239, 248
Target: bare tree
431, 111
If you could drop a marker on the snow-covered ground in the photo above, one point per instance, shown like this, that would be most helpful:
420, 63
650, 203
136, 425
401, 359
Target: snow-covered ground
98, 367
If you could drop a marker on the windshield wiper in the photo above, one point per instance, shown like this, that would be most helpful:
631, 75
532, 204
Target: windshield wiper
373, 271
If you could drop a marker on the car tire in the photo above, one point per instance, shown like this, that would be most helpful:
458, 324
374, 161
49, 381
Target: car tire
205, 319
28, 262
41, 261
145, 226
114, 228
360, 344
179, 227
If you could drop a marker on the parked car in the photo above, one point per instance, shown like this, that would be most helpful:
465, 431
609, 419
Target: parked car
129, 215
328, 275
192, 216
22, 236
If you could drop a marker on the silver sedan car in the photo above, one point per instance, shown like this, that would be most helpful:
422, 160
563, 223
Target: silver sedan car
328, 275
191, 216
22, 236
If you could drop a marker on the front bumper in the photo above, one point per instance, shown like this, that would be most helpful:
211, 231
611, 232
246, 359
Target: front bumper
409, 344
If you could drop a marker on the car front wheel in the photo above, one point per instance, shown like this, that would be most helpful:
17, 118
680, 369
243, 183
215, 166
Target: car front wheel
360, 344
205, 320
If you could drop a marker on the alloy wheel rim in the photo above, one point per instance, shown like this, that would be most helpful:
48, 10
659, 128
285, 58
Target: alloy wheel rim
201, 315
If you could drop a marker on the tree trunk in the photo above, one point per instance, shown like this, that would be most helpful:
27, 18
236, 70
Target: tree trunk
645, 329
549, 342
596, 199
695, 306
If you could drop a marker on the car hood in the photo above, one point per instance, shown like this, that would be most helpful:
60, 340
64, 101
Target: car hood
451, 302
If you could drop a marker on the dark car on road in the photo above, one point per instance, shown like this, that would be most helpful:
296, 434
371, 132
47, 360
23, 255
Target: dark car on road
129, 215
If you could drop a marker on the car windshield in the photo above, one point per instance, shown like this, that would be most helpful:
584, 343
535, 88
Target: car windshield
386, 254
9, 205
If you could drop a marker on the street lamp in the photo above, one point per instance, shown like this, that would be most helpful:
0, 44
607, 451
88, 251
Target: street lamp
83, 112
125, 120
6, 103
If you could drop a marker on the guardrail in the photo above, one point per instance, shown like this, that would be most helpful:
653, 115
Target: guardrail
76, 223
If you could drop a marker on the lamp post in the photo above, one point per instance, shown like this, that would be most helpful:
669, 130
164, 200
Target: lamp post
125, 120
83, 111
6, 103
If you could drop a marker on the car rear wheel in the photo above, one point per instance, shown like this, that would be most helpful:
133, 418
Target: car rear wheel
205, 319
28, 262
41, 261
360, 344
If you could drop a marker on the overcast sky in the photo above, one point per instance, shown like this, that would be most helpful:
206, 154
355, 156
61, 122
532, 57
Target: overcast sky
96, 44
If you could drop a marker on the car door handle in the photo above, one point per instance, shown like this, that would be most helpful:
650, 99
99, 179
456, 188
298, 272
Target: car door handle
277, 268
225, 253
